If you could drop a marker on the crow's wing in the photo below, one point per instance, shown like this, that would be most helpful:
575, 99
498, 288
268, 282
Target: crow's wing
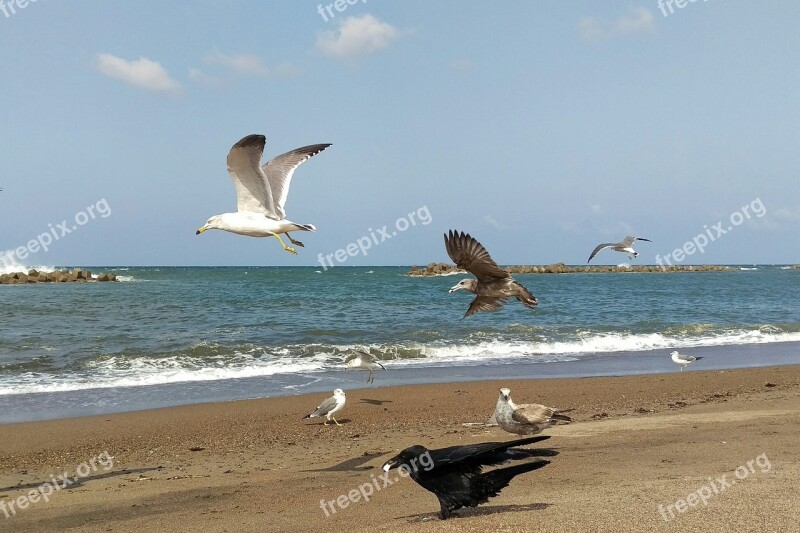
487, 453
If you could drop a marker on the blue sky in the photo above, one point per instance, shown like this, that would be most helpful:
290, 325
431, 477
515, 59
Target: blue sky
540, 128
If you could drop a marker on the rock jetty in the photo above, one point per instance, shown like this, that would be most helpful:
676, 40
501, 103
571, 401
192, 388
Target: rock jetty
445, 269
57, 276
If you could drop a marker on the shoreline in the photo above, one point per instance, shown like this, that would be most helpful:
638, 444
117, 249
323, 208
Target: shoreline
110, 400
636, 442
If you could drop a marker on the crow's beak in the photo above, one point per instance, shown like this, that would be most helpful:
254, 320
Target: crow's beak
389, 465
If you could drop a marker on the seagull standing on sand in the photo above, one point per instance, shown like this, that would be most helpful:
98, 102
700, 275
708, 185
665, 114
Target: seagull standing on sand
492, 285
329, 407
261, 191
683, 360
526, 419
454, 474
625, 246
365, 361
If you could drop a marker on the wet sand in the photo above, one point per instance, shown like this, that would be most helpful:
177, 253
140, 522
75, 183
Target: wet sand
636, 443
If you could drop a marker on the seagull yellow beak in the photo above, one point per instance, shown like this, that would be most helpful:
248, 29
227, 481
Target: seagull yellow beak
201, 230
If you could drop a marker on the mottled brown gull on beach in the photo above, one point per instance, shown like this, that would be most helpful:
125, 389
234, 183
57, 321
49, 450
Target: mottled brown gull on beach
525, 419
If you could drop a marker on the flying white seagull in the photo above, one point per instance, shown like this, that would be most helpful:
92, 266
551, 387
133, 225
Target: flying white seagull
626, 246
329, 407
683, 360
261, 191
365, 361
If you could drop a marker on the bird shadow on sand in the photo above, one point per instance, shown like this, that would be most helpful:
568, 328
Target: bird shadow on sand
374, 402
342, 422
470, 512
74, 481
351, 465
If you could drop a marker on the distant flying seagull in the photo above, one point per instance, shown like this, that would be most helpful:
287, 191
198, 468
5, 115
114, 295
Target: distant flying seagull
683, 360
329, 407
454, 474
493, 285
365, 361
261, 191
624, 246
525, 419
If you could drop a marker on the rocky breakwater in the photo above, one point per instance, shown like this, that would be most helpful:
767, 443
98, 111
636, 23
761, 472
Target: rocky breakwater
57, 276
444, 269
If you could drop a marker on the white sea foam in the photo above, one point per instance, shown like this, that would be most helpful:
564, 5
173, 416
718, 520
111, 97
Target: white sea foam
119, 371
12, 269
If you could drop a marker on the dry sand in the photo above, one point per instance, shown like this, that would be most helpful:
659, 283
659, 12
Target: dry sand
637, 442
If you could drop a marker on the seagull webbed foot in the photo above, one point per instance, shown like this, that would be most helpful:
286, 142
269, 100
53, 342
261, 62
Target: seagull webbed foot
296, 243
283, 245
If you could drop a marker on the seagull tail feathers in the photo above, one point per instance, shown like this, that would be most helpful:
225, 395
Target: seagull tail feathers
562, 417
525, 296
306, 227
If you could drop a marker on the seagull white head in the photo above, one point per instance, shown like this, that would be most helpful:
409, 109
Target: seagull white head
505, 394
465, 284
338, 392
673, 354
212, 223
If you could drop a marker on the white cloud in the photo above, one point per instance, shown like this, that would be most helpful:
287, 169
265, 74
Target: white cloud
240, 63
787, 214
638, 20
617, 230
489, 219
250, 65
142, 73
461, 64
357, 36
201, 78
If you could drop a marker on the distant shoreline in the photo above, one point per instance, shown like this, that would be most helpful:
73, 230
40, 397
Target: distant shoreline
445, 269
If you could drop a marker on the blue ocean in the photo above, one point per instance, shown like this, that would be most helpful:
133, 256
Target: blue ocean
173, 335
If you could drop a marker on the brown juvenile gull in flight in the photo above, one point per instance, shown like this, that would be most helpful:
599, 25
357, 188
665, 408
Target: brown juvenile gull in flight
492, 285
625, 246
261, 191
525, 419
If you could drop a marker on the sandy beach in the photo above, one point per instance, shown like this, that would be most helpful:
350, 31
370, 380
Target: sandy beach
636, 443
